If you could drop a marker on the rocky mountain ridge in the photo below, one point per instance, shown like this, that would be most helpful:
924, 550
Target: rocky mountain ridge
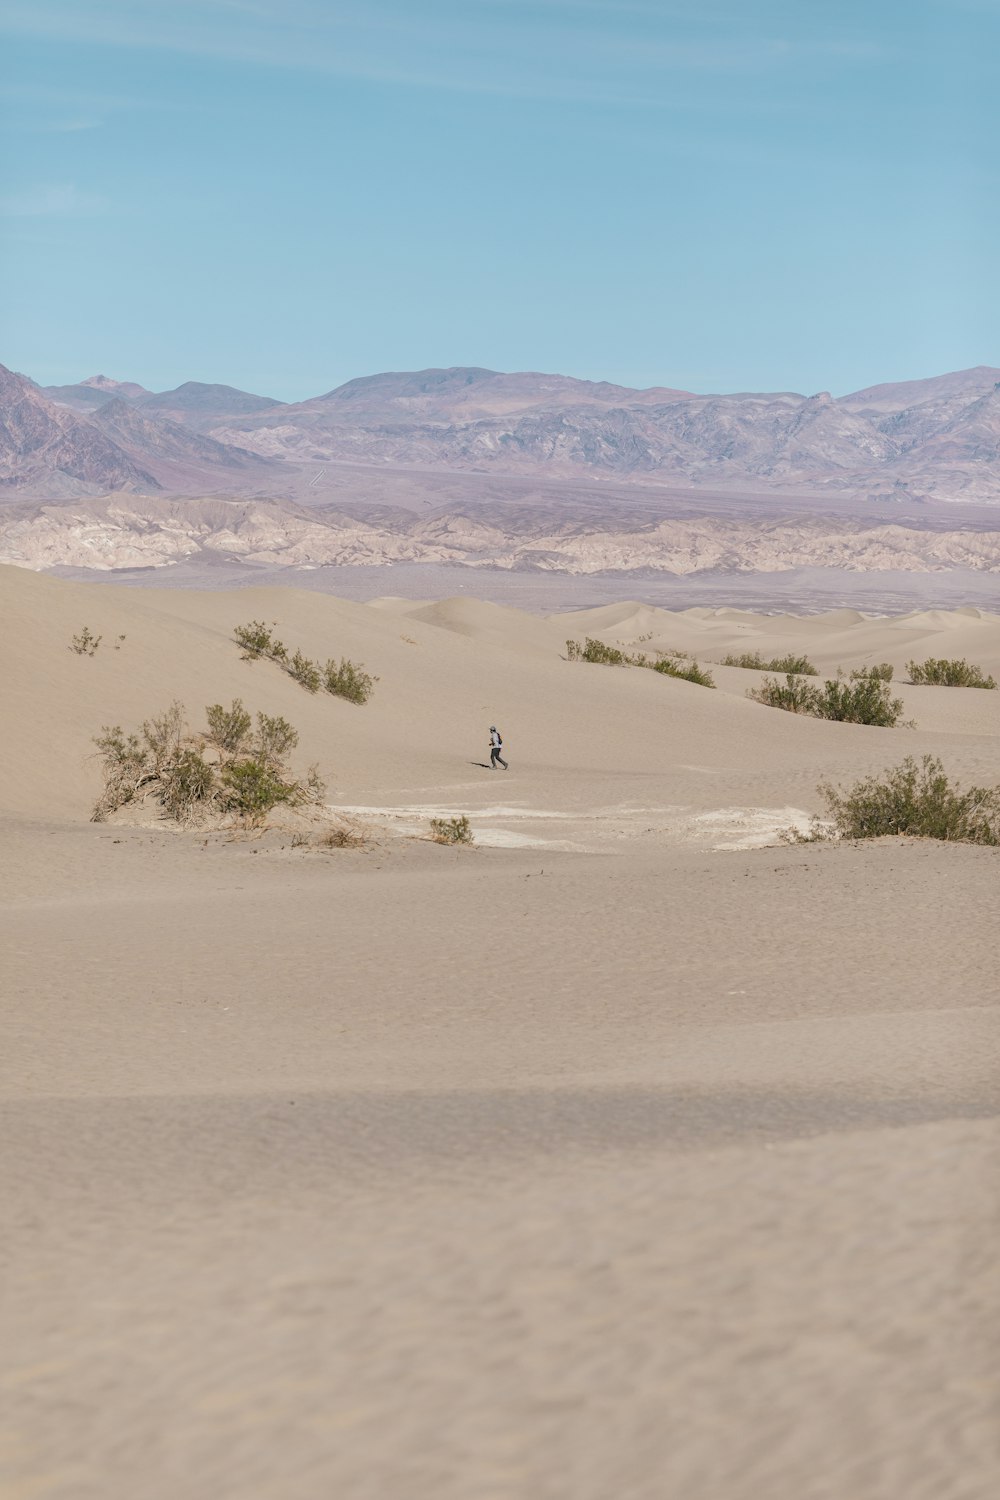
128, 531
921, 441
49, 449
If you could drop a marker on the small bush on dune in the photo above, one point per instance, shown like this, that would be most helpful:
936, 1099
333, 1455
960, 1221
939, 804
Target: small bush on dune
342, 838
862, 699
86, 643
162, 736
348, 680
228, 728
689, 671
251, 789
914, 800
753, 659
187, 786
883, 670
274, 741
793, 695
305, 672
257, 641
451, 830
939, 672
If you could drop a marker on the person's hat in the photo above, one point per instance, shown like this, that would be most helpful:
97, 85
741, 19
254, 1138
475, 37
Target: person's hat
493, 729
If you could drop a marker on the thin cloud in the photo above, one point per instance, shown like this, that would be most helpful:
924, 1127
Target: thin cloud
562, 53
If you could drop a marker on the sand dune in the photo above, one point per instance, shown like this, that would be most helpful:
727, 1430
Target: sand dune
627, 1153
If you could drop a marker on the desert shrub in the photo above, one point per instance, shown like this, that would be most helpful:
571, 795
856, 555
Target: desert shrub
610, 656
596, 651
86, 643
862, 699
753, 659
228, 728
187, 786
689, 671
252, 789
274, 740
348, 680
883, 670
305, 672
916, 800
940, 672
257, 641
251, 778
126, 769
451, 830
162, 736
793, 695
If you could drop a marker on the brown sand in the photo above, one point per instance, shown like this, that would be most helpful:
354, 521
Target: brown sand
624, 1154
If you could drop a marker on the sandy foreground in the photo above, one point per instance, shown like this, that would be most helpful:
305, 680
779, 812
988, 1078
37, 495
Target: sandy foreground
624, 1155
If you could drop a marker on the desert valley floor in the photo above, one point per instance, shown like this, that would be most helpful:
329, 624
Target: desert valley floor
627, 1153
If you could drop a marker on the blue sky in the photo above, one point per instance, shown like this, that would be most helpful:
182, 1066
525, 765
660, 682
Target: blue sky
712, 194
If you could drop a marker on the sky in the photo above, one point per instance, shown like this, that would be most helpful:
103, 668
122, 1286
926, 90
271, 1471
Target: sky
716, 195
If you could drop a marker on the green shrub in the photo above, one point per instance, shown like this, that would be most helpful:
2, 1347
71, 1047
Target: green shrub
918, 801
305, 671
793, 695
939, 672
257, 641
597, 652
348, 680
753, 659
690, 671
863, 699
451, 830
252, 789
882, 670
274, 740
228, 728
86, 643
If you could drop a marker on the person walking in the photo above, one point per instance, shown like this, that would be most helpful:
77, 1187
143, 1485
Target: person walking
495, 744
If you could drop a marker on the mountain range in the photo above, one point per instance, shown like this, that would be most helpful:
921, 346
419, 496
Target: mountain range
919, 441
136, 531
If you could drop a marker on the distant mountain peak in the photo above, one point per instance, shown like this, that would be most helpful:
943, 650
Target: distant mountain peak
105, 383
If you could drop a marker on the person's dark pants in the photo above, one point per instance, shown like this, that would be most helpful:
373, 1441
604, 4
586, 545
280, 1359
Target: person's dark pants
496, 756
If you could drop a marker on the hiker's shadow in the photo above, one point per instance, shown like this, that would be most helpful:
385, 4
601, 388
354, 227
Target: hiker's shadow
484, 765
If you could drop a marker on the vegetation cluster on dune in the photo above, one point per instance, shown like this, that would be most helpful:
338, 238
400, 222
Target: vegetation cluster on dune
345, 679
235, 766
941, 672
917, 801
862, 698
753, 660
670, 663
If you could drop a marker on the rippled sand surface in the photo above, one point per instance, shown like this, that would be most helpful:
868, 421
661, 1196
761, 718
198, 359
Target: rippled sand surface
624, 1155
